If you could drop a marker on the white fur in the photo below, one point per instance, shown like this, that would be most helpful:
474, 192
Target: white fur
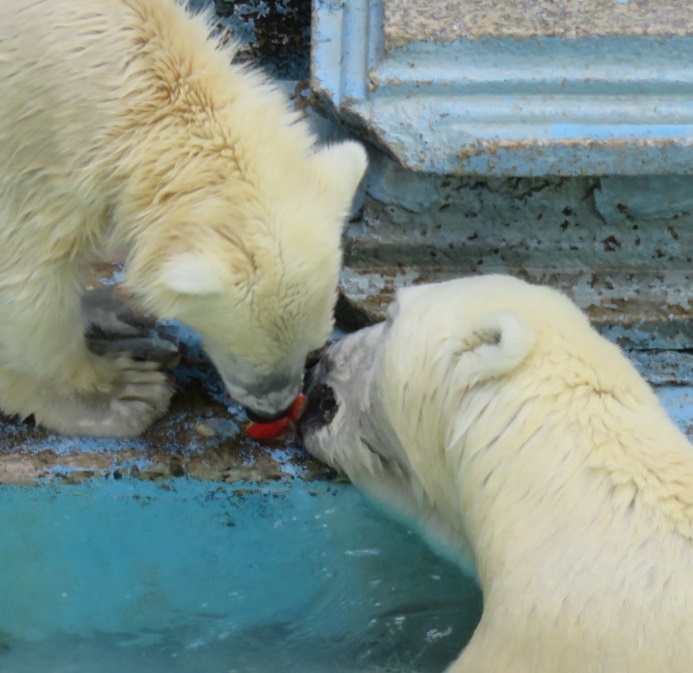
191, 273
123, 124
491, 414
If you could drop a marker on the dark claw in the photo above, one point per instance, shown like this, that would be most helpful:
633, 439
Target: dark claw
112, 328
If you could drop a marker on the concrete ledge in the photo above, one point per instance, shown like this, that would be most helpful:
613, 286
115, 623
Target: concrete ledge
496, 105
444, 20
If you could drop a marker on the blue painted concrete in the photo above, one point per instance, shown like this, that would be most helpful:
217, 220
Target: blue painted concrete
188, 576
678, 401
509, 107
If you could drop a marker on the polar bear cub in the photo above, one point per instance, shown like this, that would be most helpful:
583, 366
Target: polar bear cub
122, 123
489, 412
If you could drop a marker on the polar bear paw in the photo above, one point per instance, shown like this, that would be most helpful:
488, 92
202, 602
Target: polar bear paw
124, 404
113, 328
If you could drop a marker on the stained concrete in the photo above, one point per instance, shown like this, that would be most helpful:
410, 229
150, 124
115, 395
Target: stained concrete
512, 88
624, 198
547, 230
445, 20
201, 437
272, 34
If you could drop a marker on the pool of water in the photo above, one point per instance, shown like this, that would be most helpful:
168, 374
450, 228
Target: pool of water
182, 576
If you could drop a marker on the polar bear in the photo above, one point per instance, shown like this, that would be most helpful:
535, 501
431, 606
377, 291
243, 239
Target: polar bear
123, 125
489, 412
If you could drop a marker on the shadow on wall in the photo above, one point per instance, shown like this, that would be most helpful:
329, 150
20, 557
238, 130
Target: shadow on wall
275, 33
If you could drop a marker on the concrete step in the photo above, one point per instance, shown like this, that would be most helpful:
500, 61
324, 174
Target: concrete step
408, 21
512, 88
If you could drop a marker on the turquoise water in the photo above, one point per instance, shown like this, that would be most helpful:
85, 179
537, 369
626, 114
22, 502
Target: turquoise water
133, 577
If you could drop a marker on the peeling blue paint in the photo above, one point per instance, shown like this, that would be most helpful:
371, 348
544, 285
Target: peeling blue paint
625, 131
501, 106
678, 402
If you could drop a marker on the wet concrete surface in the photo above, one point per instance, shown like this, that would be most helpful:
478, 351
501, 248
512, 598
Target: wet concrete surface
202, 436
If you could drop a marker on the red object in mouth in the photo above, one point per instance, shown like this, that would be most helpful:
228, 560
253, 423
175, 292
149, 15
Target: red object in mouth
274, 429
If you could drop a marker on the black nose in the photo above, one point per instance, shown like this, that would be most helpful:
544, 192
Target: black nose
322, 402
326, 402
261, 417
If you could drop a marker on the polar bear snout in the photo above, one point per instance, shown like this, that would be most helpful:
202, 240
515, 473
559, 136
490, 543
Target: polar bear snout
262, 402
337, 390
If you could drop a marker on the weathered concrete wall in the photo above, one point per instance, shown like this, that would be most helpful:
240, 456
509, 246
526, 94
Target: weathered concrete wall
512, 88
622, 247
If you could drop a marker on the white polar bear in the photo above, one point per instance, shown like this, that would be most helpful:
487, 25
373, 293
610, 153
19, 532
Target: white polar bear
122, 123
489, 412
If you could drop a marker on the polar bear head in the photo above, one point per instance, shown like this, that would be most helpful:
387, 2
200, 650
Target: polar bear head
385, 402
408, 408
252, 264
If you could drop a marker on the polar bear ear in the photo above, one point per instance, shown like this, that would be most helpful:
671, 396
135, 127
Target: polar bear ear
495, 346
341, 168
191, 273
